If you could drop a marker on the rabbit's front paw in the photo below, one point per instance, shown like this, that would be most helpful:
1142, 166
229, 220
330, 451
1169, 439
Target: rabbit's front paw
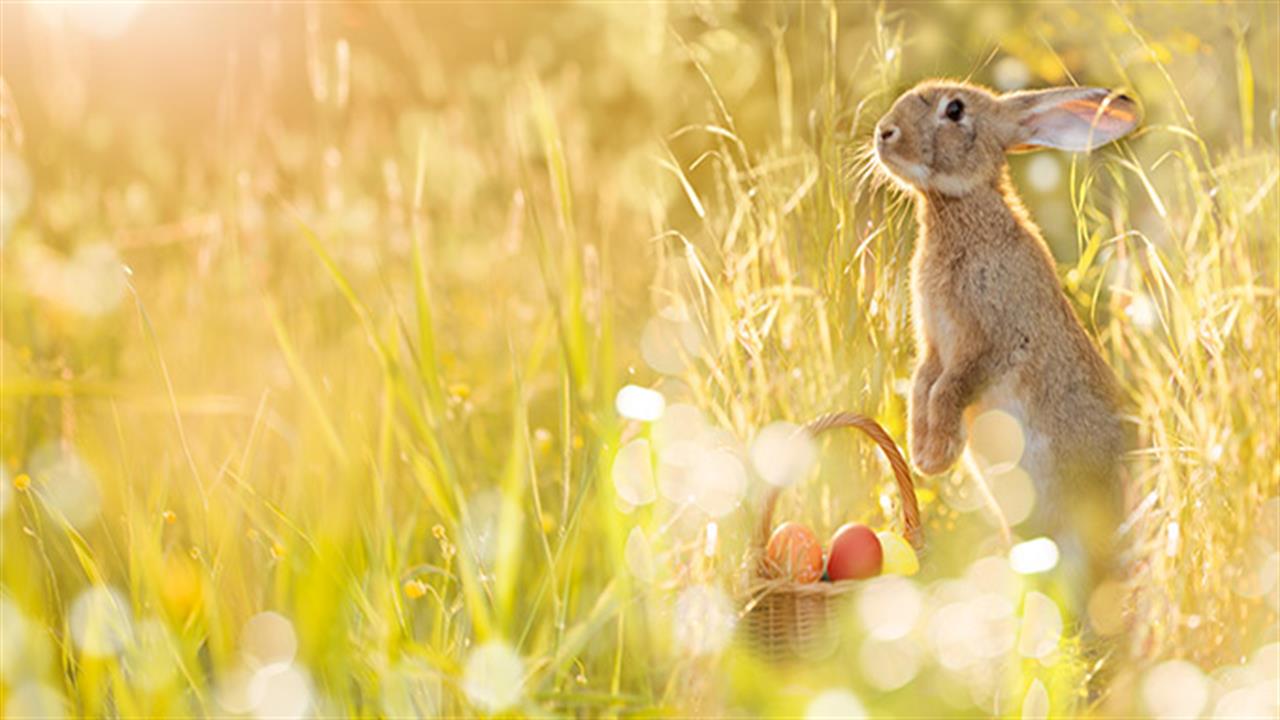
918, 435
936, 452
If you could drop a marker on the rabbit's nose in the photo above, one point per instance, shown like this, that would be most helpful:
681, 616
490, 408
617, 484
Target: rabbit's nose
888, 133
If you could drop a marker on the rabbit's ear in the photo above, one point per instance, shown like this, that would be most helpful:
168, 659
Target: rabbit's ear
1078, 119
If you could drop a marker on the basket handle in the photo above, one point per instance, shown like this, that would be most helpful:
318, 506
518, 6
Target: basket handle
901, 472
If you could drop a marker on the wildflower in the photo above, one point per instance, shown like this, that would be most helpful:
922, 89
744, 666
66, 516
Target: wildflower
414, 588
542, 441
169, 517
22, 482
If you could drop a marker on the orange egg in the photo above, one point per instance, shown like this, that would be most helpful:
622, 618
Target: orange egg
794, 553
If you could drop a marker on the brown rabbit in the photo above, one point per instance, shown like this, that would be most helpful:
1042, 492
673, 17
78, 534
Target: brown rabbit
994, 329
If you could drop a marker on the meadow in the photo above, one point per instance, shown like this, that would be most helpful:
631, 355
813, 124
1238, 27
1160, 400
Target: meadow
422, 359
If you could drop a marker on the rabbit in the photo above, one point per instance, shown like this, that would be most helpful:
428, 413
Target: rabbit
994, 329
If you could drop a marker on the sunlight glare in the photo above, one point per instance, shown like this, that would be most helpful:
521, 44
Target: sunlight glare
704, 620
639, 555
101, 19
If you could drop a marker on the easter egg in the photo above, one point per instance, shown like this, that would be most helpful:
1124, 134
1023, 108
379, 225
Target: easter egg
899, 556
855, 553
794, 553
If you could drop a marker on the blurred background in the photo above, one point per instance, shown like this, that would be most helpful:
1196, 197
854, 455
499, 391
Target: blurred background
431, 359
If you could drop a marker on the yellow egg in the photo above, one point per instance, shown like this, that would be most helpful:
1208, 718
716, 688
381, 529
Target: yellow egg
899, 557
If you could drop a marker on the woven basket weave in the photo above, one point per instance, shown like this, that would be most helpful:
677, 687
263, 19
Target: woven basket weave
789, 620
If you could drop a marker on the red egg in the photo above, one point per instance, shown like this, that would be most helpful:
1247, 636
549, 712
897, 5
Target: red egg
855, 553
794, 552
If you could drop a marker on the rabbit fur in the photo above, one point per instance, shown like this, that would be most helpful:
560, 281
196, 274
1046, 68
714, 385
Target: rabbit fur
994, 329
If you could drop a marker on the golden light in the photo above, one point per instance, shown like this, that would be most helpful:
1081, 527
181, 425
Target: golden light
101, 19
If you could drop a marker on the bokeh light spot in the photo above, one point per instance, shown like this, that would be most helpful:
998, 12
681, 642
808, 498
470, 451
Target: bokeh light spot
719, 482
101, 621
836, 703
494, 676
1175, 689
889, 664
232, 691
889, 606
681, 422
783, 453
1141, 311
67, 483
1043, 172
670, 340
90, 282
1034, 556
996, 440
992, 574
1041, 626
1014, 492
1010, 73
633, 473
268, 639
638, 403
281, 692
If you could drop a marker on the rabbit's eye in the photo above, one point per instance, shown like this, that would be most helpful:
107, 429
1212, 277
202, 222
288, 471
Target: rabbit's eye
955, 110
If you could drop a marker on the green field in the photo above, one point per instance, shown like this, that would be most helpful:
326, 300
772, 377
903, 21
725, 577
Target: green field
316, 317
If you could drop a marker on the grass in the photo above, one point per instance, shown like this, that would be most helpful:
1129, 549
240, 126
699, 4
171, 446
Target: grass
389, 266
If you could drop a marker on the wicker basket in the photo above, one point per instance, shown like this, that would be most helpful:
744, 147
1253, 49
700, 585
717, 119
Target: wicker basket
788, 620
